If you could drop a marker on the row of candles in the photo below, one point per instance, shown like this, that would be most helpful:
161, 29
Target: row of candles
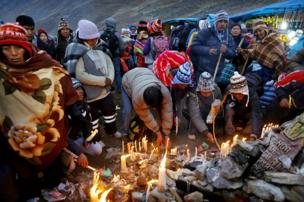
267, 128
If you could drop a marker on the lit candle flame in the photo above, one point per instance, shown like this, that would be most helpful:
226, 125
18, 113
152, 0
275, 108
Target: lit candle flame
104, 195
162, 183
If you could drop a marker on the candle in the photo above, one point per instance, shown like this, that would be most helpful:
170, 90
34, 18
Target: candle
162, 181
129, 147
135, 146
123, 163
94, 191
139, 146
195, 154
122, 148
145, 144
132, 153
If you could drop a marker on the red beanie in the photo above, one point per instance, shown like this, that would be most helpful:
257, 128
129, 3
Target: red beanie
41, 30
155, 27
12, 34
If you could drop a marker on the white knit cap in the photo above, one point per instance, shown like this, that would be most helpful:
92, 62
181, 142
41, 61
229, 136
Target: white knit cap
205, 83
238, 84
87, 30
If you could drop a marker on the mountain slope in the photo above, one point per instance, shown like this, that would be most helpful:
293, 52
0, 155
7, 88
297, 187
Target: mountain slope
47, 13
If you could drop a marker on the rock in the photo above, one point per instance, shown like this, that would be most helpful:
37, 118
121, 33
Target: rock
173, 174
222, 183
186, 172
291, 195
299, 189
201, 170
194, 197
189, 179
214, 178
229, 169
199, 183
136, 196
284, 178
264, 190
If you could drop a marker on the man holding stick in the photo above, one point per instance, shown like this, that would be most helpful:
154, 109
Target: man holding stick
212, 46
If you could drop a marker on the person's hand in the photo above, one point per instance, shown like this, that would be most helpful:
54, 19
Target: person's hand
284, 103
212, 51
82, 160
223, 48
209, 137
108, 82
159, 139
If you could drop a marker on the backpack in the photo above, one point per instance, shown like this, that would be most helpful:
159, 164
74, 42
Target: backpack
179, 37
112, 41
159, 45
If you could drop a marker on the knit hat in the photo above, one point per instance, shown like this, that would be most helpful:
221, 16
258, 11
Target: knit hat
221, 15
87, 30
259, 24
25, 20
142, 26
12, 34
132, 27
156, 26
41, 30
111, 23
63, 24
238, 84
205, 83
183, 75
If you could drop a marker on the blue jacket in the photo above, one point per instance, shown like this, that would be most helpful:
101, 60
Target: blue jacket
199, 51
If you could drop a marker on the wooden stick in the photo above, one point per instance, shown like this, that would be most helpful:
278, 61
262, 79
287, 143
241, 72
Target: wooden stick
75, 156
217, 66
244, 66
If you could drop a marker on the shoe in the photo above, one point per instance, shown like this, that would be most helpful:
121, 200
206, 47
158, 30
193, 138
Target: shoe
191, 137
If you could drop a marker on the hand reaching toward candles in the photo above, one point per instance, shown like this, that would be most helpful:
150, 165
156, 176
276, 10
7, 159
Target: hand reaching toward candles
159, 139
82, 160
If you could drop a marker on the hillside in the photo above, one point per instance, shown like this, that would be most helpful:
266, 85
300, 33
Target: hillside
47, 13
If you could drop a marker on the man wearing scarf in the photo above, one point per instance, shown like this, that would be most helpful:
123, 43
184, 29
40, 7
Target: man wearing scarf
35, 94
267, 50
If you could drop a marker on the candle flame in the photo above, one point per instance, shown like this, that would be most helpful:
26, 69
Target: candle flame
104, 195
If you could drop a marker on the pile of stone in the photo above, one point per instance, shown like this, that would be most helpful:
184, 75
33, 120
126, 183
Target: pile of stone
271, 168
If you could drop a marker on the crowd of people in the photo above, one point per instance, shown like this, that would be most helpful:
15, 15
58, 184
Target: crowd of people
57, 93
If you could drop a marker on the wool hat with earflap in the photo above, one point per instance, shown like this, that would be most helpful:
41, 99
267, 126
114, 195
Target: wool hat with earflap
154, 27
259, 24
183, 74
12, 34
205, 83
87, 30
63, 24
238, 84
221, 15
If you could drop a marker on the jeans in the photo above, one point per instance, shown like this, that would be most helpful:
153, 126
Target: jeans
116, 63
126, 110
